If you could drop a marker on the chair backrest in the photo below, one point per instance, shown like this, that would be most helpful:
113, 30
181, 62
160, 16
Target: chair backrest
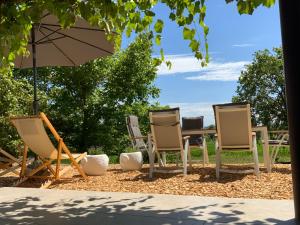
134, 131
193, 123
233, 124
165, 129
32, 132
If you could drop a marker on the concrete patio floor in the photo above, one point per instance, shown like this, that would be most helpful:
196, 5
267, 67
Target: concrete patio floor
54, 207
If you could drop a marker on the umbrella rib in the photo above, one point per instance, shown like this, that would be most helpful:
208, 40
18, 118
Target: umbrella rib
49, 40
59, 49
53, 32
83, 42
74, 27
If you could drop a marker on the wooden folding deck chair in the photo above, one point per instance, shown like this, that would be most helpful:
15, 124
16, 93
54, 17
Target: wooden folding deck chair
32, 131
9, 163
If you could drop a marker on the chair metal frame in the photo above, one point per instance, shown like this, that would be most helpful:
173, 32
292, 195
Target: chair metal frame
251, 145
155, 149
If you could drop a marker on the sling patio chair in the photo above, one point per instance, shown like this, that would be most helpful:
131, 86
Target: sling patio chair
33, 133
165, 138
136, 137
278, 139
9, 163
234, 133
196, 140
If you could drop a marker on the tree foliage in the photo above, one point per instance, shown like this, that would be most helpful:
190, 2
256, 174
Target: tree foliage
262, 85
120, 16
88, 104
15, 99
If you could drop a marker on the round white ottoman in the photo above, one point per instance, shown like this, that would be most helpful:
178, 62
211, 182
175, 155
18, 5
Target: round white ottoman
95, 164
131, 161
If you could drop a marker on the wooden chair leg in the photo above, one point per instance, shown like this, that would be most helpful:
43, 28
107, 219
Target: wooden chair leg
79, 169
24, 160
45, 164
58, 161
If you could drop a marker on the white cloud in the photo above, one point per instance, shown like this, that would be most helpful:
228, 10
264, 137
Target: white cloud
180, 64
196, 109
243, 45
215, 71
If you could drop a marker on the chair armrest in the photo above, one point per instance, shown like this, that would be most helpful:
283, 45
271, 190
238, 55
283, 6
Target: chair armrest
186, 137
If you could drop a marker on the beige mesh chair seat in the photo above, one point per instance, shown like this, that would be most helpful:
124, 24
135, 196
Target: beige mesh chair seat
32, 132
165, 138
234, 133
136, 137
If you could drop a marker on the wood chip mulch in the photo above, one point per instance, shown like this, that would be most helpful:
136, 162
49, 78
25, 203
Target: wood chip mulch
199, 181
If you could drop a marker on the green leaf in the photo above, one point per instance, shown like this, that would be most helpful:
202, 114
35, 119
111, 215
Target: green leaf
198, 55
162, 54
188, 34
157, 39
158, 27
268, 3
244, 7
169, 64
130, 5
205, 28
128, 31
149, 13
194, 45
157, 62
172, 16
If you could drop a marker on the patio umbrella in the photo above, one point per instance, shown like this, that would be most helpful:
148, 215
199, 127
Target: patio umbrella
51, 45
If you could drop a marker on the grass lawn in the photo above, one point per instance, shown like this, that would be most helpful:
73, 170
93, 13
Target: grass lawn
227, 157
239, 157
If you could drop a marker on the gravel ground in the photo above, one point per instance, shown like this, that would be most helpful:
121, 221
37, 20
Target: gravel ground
200, 181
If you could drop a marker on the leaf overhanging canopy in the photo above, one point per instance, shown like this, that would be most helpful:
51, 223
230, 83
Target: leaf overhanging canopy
120, 16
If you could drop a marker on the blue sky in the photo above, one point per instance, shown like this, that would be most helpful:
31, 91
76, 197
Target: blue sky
232, 38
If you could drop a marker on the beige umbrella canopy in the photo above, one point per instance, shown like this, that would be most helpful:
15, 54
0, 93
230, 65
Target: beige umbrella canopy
50, 45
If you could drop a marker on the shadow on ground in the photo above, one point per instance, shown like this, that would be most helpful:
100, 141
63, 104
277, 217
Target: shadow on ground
107, 210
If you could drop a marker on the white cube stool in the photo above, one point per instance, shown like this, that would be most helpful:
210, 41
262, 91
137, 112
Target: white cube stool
95, 164
131, 161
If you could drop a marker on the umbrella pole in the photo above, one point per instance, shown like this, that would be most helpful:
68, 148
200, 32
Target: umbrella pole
289, 17
35, 103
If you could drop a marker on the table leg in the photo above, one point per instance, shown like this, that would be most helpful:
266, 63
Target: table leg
265, 138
